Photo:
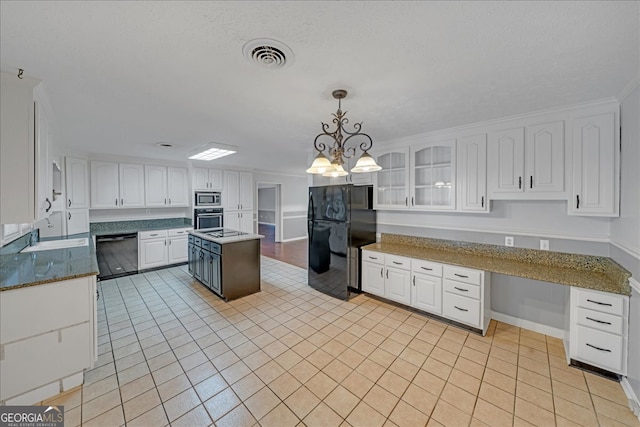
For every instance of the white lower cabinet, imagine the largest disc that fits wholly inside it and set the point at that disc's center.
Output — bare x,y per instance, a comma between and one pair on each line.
77,221
457,293
158,248
598,331
48,337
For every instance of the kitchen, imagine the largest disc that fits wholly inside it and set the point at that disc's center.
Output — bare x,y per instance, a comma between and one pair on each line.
137,122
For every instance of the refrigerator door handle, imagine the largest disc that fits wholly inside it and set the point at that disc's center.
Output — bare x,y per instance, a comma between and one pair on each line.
311,208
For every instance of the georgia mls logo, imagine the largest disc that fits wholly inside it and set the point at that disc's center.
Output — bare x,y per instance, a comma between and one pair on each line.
31,416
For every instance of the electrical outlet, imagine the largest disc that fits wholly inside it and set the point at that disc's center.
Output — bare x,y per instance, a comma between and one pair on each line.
508,241
544,245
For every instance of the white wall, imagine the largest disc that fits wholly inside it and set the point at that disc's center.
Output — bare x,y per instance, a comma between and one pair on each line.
625,230
267,199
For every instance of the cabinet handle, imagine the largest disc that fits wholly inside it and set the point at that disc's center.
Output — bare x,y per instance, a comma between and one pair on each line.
412,204
598,321
387,274
397,263
461,289
381,272
599,303
464,309
121,202
153,235
461,275
372,257
69,216
69,203
599,349
116,202
482,202
48,201
406,201
531,181
165,201
577,201
169,200
426,268
414,280
519,182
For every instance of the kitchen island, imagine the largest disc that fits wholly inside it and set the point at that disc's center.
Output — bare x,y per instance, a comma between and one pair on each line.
225,261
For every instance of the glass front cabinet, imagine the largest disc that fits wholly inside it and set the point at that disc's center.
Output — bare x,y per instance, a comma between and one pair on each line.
433,176
391,187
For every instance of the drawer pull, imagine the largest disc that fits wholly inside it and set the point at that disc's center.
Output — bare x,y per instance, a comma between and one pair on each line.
372,257
599,303
398,263
153,235
381,272
461,275
426,268
598,348
598,321
464,309
461,289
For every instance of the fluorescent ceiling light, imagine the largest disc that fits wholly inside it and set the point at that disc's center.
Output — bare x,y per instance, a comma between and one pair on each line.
211,152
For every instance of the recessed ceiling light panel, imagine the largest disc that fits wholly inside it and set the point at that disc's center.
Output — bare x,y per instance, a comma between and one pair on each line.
268,53
212,151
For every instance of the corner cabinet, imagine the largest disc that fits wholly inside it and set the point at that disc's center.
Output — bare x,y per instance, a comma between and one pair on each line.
596,161
391,183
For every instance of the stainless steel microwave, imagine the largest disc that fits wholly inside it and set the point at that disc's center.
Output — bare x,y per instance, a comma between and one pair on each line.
208,198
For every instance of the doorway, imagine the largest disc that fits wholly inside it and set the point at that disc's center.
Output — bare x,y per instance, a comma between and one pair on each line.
269,212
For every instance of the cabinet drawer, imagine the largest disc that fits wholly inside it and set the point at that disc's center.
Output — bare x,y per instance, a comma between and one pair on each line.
191,238
461,274
179,231
197,242
601,301
461,309
154,234
397,262
459,288
426,267
599,348
206,244
375,257
603,321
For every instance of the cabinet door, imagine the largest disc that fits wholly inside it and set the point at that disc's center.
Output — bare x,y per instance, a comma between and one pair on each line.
506,161
215,179
246,221
155,186
426,293
545,158
206,268
595,162
373,278
43,178
246,190
177,187
232,220
200,179
215,279
105,190
391,188
153,253
364,178
77,221
397,285
131,185
178,249
77,183
433,176
472,174
231,193
192,258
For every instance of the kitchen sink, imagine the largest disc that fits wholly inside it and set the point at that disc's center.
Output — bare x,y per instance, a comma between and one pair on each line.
57,244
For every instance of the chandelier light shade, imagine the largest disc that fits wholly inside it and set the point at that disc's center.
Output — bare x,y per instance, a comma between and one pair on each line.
330,158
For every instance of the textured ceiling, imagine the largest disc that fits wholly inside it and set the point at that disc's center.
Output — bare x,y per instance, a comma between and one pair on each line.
122,76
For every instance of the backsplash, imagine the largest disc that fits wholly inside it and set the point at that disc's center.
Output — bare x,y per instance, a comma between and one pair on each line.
18,244
137,225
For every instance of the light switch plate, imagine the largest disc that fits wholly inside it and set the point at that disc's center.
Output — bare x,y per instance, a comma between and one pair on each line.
508,241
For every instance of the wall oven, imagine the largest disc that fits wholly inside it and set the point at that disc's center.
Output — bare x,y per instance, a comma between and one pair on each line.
207,218
208,198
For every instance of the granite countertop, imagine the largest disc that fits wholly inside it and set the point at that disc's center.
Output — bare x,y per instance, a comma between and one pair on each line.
225,240
19,270
122,227
585,271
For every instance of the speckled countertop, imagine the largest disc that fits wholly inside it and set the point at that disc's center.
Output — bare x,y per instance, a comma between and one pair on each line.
585,271
225,240
19,270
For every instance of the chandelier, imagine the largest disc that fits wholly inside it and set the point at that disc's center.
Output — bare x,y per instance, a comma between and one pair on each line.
331,163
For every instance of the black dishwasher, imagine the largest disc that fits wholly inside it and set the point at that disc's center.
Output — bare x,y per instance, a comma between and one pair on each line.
117,255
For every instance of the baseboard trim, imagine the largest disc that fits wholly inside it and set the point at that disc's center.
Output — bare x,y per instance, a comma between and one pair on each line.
528,324
634,402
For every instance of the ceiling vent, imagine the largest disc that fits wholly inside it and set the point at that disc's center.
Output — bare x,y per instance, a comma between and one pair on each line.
268,53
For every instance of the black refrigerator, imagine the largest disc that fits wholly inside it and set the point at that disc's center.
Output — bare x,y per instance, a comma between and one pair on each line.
340,220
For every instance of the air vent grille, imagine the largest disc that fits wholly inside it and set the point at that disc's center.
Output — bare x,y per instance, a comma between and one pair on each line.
268,53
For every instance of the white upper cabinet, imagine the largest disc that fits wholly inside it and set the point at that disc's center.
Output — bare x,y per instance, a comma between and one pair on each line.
391,190
238,191
177,186
528,162
117,185
246,190
43,170
155,186
105,189
433,172
596,159
206,179
77,183
472,173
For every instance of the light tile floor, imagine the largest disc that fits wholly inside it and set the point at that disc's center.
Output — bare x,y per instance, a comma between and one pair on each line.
171,352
